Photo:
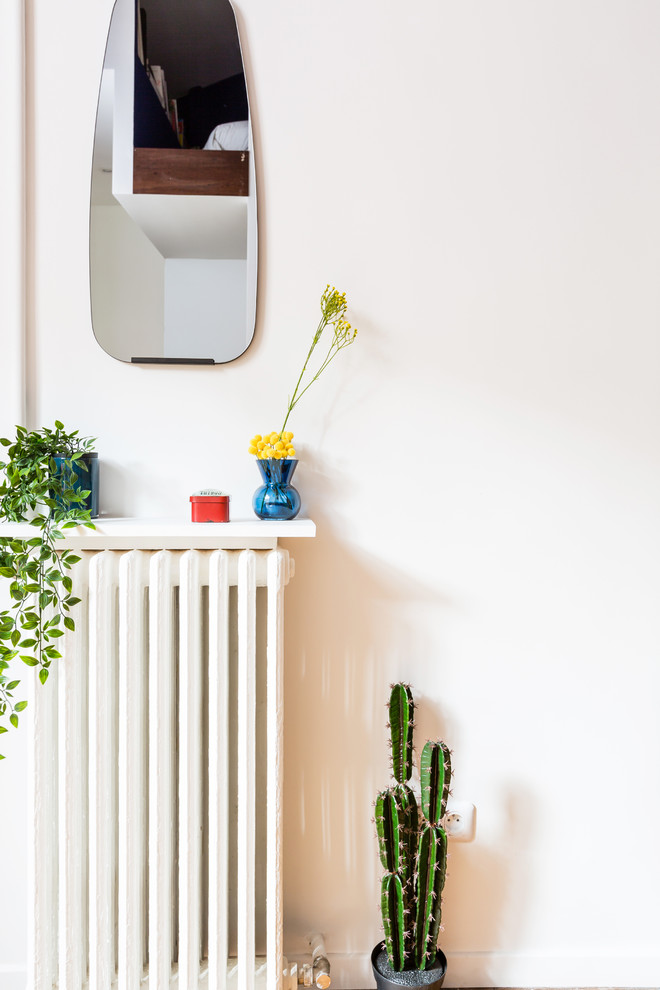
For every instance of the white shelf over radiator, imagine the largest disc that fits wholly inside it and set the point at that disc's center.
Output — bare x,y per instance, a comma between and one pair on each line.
175,534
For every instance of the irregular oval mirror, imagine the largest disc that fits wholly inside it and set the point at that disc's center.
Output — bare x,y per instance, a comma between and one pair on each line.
173,216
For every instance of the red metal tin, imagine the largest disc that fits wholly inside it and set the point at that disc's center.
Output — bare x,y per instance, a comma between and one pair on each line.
210,508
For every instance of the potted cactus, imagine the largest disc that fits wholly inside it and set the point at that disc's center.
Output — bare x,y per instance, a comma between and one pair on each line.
413,852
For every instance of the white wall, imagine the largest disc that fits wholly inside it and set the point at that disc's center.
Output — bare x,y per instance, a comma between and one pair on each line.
482,179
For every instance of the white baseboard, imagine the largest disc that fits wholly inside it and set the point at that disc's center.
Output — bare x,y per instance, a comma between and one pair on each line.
491,969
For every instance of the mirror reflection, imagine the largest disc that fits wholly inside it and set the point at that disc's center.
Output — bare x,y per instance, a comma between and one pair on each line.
173,232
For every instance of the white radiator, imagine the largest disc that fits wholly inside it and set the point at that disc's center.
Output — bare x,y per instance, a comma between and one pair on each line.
156,777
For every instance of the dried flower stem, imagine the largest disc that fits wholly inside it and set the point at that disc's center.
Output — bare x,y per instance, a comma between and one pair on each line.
333,308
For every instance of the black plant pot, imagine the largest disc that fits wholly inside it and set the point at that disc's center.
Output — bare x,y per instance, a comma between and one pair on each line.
389,979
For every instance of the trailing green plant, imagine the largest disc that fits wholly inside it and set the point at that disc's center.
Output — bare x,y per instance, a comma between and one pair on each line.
47,495
412,848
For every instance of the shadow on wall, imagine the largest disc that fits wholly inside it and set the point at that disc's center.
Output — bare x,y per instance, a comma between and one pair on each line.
347,639
343,648
488,890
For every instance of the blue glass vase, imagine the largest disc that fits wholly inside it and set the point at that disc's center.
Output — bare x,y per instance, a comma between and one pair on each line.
276,498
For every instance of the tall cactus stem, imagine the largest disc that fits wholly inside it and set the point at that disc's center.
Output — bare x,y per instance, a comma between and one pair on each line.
435,776
394,921
402,708
390,827
432,859
409,817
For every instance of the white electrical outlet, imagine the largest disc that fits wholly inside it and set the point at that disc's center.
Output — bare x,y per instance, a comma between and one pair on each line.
460,821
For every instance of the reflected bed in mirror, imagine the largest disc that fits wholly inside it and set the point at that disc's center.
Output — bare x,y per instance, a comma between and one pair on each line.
173,215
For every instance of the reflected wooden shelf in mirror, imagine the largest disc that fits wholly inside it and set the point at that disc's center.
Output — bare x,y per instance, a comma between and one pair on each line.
190,172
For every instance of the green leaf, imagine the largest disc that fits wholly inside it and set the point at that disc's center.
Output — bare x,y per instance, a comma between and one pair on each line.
30,661
43,675
21,706
69,623
14,720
